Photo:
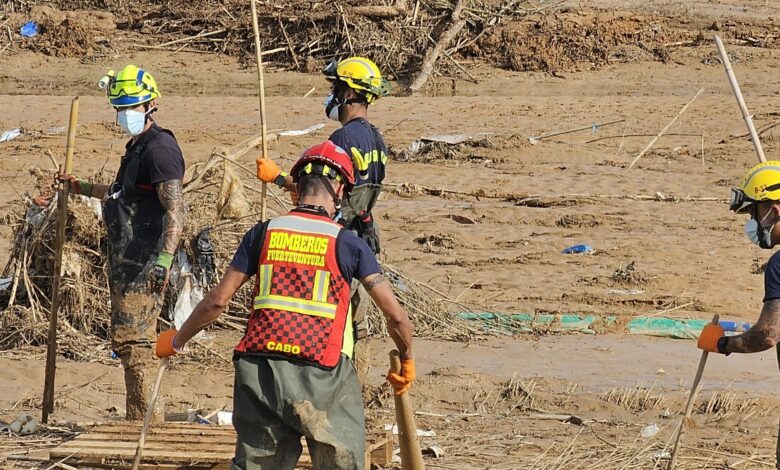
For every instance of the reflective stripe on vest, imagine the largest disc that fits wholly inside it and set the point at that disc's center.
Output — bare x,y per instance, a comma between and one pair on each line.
301,301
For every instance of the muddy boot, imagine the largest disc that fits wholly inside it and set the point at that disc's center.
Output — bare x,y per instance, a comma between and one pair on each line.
140,372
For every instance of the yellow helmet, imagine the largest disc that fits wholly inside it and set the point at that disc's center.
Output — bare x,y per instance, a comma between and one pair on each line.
130,87
761,183
360,74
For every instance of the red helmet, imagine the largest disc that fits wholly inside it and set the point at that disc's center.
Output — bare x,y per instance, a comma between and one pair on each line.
327,159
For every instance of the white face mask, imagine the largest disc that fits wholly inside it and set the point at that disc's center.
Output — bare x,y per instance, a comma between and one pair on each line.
332,107
757,234
132,122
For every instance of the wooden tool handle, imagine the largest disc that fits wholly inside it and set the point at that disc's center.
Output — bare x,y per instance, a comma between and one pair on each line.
139,450
689,403
411,457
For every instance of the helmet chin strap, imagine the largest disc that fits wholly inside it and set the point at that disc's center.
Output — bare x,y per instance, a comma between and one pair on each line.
763,241
332,192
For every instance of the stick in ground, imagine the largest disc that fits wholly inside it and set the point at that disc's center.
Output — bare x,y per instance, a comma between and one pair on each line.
689,404
62,200
139,450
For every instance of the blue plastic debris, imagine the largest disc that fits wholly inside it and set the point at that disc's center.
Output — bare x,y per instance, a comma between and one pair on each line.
29,29
578,249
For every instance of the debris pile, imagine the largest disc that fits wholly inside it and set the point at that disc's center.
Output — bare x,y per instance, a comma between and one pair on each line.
220,213
310,33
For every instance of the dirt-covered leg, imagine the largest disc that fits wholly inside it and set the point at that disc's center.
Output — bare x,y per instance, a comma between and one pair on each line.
134,322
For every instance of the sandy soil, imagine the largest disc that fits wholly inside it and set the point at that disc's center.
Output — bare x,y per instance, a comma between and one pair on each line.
691,256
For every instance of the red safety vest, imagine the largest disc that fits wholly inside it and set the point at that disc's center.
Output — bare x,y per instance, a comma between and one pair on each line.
301,299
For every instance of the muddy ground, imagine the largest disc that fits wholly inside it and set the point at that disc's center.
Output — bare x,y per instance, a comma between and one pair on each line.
688,257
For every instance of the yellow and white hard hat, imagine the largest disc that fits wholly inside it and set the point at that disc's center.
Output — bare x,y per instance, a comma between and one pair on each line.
360,74
130,87
761,183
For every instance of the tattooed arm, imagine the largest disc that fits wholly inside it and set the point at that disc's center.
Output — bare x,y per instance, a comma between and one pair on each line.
763,335
172,199
398,324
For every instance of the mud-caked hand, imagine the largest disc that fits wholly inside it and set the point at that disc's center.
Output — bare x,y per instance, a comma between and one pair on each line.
166,344
158,276
713,339
403,382
267,170
77,186
369,234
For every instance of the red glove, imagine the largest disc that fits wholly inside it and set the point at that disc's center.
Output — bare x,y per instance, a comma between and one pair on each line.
709,338
165,344
403,382
267,170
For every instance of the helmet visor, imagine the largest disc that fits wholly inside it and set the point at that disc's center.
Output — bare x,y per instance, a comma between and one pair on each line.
739,202
330,69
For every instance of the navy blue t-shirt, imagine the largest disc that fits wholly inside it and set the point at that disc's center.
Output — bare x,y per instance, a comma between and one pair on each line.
365,145
355,258
772,278
162,160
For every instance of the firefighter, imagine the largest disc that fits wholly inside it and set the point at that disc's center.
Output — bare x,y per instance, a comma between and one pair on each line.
294,375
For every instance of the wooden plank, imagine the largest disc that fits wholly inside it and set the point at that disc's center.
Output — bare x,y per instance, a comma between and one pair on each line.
192,429
169,446
127,455
231,440
74,447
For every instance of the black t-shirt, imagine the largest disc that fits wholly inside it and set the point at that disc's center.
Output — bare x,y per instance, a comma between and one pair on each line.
162,159
355,258
365,145
772,278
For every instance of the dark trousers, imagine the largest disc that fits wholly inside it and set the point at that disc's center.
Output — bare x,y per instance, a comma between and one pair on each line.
276,402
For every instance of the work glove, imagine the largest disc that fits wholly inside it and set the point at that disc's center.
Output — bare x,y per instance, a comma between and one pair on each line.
158,276
77,186
403,382
713,339
166,344
369,234
267,170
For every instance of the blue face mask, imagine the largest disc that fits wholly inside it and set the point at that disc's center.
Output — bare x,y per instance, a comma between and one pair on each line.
758,234
332,105
132,122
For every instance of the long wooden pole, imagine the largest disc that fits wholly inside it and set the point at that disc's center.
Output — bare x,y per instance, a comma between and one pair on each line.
724,58
689,403
62,218
261,86
411,457
139,449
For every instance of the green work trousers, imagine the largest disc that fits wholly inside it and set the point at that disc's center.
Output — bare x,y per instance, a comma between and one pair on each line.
276,401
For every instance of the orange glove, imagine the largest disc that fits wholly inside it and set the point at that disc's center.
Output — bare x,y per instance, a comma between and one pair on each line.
712,339
403,382
267,170
165,344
